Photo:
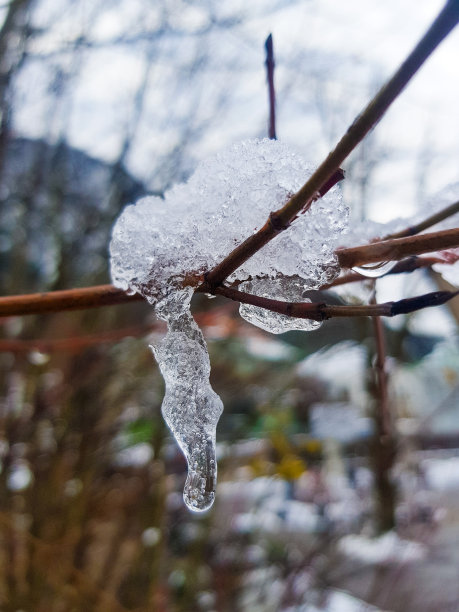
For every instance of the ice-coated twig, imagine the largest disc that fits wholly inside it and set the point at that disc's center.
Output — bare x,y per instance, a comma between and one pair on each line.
279,220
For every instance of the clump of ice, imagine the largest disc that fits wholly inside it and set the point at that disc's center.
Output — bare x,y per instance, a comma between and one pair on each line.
157,242
161,248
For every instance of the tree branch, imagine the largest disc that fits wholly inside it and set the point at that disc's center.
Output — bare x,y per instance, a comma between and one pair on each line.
69,299
323,311
404,266
441,215
280,220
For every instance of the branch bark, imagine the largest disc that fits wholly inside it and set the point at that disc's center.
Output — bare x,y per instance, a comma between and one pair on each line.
322,311
69,299
441,215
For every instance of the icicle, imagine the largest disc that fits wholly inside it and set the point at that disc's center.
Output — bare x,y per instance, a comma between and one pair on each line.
191,408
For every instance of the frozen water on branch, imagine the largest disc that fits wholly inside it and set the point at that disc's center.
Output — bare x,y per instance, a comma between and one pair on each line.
157,242
191,408
286,289
162,247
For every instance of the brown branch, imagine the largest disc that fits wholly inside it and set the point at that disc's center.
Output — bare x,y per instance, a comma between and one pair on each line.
280,220
271,91
69,299
379,368
323,311
397,248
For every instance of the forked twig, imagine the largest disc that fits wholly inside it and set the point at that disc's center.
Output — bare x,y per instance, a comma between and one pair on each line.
327,174
280,219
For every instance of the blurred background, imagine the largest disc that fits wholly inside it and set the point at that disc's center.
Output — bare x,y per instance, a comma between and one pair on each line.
104,101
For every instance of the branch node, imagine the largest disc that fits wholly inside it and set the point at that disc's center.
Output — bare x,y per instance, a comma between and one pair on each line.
277,223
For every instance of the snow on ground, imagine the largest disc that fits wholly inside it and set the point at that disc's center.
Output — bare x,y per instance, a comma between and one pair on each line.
386,549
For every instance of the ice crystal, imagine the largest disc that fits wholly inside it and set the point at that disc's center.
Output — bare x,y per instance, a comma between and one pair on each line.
161,247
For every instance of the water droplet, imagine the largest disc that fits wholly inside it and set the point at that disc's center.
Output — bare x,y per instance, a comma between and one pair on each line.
375,270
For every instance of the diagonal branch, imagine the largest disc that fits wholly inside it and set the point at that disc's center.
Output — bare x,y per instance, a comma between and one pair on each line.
441,215
280,220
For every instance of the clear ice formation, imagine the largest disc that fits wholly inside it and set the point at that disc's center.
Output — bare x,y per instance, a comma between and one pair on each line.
159,246
157,242
285,289
191,408
375,270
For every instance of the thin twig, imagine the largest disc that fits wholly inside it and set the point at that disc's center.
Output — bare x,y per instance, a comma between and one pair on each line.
271,91
441,215
73,344
280,220
379,368
322,311
68,299
108,295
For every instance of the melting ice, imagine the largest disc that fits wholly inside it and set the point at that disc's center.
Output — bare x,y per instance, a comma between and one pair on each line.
160,245
191,408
